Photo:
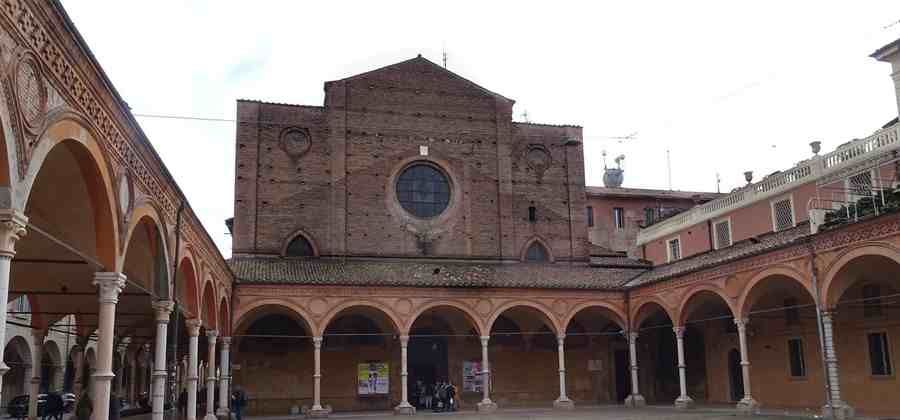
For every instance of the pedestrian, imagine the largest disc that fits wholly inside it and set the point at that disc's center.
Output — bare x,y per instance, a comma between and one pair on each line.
238,401
451,396
182,402
429,395
115,406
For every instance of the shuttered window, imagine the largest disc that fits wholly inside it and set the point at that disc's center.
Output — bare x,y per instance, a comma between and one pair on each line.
674,249
798,361
782,214
723,234
879,354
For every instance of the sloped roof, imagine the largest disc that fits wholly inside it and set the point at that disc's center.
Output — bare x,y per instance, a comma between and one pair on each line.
738,250
650,193
424,61
335,272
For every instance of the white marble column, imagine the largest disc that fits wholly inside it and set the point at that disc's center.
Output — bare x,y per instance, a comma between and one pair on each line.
12,228
746,404
837,408
486,405
635,399
211,374
683,400
404,407
163,309
110,285
563,401
224,372
193,329
37,350
317,410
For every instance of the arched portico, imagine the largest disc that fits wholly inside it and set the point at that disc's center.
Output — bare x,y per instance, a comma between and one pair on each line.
596,353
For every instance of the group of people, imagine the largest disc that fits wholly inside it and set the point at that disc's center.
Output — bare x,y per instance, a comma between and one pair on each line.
438,397
238,401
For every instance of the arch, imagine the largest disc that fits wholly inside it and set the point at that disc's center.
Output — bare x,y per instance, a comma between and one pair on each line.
337,310
265,307
619,315
20,344
752,291
645,309
224,320
145,251
297,235
833,287
537,240
51,349
9,162
684,311
470,315
209,312
187,291
546,312
73,132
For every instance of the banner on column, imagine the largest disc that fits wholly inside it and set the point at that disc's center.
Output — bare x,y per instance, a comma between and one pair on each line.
472,381
373,378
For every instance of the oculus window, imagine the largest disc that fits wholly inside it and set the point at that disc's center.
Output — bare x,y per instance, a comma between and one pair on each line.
423,190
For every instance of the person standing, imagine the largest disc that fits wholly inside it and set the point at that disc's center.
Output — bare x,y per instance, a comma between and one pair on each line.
238,401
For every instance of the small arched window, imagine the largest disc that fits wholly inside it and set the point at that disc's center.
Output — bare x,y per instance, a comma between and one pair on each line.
299,247
537,253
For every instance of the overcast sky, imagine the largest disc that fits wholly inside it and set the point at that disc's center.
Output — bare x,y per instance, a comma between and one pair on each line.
724,86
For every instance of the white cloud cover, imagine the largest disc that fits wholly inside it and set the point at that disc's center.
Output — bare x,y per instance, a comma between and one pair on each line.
725,86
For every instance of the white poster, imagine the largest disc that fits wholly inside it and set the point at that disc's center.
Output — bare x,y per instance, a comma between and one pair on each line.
472,378
373,378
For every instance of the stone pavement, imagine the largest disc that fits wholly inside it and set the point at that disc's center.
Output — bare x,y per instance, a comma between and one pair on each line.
581,413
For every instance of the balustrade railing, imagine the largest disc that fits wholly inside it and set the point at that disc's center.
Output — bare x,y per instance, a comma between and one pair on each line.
806,171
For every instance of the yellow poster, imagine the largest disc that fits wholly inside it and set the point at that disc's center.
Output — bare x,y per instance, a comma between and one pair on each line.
372,378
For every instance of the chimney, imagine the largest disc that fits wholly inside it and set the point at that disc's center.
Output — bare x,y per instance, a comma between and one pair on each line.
890,53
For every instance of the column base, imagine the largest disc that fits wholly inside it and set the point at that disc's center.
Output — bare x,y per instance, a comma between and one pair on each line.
404,409
748,405
838,410
317,412
486,406
635,400
223,412
563,404
683,403
210,417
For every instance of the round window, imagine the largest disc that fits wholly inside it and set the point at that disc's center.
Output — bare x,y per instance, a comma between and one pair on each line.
423,190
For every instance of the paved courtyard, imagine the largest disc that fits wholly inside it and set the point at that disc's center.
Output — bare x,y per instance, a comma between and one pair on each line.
593,413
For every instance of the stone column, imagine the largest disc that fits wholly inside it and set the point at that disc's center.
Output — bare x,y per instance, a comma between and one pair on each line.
37,346
683,400
404,407
224,371
109,285
563,401
317,411
78,362
838,408
193,330
635,399
132,379
486,405
211,374
163,309
746,404
120,375
12,228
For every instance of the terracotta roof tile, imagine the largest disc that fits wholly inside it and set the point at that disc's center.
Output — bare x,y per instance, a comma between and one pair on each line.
325,271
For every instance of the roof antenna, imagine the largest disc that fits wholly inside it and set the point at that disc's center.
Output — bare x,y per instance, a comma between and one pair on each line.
669,167
444,52
525,116
718,183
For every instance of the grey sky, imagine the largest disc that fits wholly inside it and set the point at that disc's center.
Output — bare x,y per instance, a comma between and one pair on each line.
716,83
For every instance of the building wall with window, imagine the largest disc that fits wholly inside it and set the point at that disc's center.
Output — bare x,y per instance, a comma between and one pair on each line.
333,174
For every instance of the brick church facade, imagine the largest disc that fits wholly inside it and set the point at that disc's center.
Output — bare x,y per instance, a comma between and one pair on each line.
411,228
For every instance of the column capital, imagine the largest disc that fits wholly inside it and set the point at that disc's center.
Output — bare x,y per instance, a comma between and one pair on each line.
226,342
404,340
39,334
829,313
163,308
12,229
632,335
193,327
484,340
317,342
679,332
561,339
211,335
110,285
741,323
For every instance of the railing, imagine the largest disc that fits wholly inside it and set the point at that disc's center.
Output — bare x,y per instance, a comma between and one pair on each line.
879,142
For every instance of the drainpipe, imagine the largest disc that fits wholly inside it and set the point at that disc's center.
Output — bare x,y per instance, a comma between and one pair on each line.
819,327
709,234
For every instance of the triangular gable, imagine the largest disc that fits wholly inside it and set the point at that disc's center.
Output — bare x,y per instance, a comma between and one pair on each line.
419,61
